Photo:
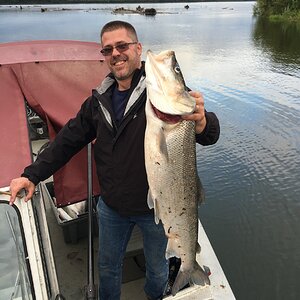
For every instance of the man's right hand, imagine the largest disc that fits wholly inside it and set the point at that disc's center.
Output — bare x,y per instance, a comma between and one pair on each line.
17,185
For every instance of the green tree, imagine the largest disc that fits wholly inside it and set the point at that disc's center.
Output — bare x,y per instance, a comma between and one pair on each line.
276,7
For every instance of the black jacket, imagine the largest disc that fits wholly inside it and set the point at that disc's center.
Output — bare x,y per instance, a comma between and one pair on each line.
119,151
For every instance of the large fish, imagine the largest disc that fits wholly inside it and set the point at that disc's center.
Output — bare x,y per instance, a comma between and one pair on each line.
170,157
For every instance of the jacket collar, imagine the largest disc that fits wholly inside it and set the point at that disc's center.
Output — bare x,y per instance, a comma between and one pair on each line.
110,80
104,91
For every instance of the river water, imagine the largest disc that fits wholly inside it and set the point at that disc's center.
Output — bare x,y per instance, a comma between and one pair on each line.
248,71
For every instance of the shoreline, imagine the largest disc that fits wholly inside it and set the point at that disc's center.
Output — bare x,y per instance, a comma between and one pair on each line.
48,2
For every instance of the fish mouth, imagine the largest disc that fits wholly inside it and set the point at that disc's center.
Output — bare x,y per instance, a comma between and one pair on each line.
167,118
169,96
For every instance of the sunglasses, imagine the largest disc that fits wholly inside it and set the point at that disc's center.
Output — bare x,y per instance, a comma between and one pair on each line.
108,50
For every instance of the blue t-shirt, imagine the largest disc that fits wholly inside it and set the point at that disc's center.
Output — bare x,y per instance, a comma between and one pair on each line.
119,101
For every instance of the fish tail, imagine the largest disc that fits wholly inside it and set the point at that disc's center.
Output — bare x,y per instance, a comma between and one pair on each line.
197,276
182,279
200,276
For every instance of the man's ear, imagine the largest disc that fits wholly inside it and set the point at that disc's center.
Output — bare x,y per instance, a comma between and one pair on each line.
140,48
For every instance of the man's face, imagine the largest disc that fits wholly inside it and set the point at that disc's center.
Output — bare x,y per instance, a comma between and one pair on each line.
122,64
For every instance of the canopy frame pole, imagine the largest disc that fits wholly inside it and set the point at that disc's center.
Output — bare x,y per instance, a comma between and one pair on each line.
91,288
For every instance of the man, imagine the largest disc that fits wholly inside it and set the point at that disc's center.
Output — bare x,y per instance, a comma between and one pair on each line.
114,115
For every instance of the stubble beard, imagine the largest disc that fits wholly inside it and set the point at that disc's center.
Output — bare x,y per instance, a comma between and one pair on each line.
129,69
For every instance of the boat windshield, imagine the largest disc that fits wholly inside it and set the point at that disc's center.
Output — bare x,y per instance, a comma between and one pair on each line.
15,280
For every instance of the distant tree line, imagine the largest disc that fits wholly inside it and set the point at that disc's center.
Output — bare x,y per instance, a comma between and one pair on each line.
276,7
43,2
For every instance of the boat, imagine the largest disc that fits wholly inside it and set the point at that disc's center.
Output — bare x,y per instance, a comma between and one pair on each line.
43,255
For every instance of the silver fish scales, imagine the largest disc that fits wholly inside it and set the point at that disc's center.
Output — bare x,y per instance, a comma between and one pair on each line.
170,157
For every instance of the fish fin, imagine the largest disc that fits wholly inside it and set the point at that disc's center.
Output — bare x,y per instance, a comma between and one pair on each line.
197,276
198,248
201,194
172,249
150,201
152,204
156,214
163,145
182,279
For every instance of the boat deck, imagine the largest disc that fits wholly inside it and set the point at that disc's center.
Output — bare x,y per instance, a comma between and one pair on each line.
71,258
71,263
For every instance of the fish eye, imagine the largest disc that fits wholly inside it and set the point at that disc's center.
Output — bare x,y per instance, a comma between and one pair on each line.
177,69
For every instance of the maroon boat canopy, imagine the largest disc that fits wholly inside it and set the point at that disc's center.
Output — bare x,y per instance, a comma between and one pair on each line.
55,77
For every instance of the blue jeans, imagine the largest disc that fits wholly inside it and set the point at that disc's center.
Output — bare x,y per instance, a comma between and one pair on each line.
114,234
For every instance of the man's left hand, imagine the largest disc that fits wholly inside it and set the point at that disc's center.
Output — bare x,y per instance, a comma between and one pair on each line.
199,114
